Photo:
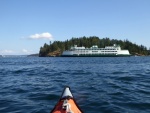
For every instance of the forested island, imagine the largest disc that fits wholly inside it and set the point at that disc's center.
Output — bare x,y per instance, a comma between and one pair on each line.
57,47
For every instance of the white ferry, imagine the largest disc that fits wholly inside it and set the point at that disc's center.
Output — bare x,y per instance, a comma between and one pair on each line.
94,51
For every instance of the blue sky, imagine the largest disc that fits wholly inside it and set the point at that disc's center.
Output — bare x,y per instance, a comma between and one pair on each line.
25,25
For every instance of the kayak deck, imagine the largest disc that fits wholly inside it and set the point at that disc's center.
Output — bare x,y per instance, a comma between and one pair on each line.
67,103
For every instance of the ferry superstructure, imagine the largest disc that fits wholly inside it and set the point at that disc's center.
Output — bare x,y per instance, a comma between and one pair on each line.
94,51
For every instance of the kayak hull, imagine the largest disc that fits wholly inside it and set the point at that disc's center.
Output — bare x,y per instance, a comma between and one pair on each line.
66,103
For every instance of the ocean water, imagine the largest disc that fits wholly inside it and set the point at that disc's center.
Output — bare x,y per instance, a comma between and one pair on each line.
99,85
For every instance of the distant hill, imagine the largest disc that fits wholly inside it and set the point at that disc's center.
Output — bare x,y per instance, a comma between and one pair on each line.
33,55
57,47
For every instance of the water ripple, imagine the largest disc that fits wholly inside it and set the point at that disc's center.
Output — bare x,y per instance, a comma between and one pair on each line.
103,85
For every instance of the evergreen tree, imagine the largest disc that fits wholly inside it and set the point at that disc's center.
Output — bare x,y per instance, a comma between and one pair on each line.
90,41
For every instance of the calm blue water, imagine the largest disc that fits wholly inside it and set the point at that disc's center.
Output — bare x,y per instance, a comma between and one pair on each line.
100,85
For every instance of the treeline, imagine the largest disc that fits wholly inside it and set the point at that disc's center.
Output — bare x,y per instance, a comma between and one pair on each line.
57,47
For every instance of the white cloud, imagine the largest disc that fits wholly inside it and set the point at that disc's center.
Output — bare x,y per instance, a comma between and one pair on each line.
7,51
45,35
19,52
25,51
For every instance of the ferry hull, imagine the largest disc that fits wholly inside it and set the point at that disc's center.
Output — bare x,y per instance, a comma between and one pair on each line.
106,55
